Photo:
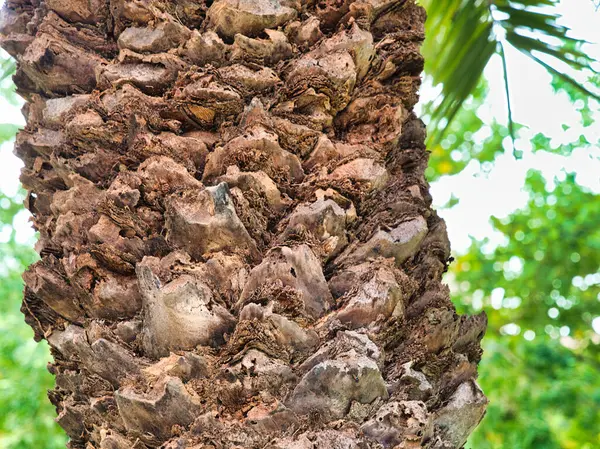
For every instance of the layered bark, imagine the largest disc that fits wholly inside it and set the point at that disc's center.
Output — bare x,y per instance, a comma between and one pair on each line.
237,244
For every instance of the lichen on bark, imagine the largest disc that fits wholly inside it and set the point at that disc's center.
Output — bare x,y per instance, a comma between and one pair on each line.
237,243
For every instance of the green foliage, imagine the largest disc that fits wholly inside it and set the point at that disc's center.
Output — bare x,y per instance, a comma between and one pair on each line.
465,34
581,101
26,416
542,396
7,88
541,291
545,276
467,139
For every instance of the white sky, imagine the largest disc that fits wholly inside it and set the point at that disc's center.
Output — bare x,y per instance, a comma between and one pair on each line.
481,196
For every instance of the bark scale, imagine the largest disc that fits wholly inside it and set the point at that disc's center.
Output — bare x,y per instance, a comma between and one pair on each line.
237,244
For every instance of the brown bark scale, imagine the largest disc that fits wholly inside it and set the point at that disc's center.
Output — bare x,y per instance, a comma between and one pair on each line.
237,244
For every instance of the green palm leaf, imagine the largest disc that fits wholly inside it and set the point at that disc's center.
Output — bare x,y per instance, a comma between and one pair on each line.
467,33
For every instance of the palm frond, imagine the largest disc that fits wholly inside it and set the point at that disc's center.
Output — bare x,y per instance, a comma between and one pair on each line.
465,34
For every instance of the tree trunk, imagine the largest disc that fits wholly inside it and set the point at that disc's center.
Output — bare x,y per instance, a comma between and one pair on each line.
236,237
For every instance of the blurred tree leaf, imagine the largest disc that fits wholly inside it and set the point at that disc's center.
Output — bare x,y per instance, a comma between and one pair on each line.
584,104
542,395
7,88
7,131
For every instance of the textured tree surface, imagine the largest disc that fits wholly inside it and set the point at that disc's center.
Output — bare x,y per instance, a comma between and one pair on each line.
237,244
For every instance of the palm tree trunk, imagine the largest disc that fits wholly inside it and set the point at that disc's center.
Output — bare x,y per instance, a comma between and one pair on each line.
236,236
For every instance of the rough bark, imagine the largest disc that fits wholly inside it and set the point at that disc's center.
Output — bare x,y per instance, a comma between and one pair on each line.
237,244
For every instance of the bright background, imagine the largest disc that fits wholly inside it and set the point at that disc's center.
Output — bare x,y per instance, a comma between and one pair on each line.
525,235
